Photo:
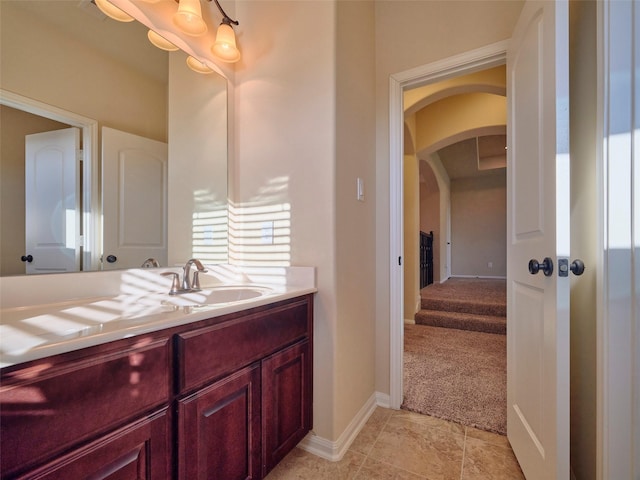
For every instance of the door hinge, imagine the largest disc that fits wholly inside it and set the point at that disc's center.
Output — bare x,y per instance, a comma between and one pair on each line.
399,260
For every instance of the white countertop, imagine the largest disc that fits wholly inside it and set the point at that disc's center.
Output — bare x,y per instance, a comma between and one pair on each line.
54,319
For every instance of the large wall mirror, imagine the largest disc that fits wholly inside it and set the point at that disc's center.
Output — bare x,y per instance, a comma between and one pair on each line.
151,178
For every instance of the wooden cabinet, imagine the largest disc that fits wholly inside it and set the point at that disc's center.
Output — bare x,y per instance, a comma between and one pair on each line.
286,402
137,451
219,429
224,398
51,406
244,421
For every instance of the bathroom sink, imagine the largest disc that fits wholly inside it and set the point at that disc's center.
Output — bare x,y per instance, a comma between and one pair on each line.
215,296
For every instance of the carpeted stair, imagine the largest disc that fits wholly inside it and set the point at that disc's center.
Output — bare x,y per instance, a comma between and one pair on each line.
465,304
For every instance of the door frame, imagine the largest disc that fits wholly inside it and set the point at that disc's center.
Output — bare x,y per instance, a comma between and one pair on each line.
479,59
618,319
91,192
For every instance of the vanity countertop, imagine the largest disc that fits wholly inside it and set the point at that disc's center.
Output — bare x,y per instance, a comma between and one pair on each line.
54,323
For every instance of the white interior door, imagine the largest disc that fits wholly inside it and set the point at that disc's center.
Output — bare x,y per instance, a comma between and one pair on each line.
538,227
52,214
134,196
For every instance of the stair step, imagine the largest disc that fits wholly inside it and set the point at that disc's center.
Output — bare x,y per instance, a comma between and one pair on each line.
464,306
462,321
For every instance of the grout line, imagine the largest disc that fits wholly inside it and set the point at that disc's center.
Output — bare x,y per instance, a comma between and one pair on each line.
464,452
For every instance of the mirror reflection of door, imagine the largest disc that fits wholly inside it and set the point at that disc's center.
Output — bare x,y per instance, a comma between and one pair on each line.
134,196
52,187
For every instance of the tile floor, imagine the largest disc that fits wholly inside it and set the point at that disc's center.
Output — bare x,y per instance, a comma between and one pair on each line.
396,444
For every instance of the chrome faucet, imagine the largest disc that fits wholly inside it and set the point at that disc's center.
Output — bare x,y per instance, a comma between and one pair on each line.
188,284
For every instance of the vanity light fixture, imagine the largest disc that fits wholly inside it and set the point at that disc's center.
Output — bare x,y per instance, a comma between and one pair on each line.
197,66
225,45
161,42
111,11
188,18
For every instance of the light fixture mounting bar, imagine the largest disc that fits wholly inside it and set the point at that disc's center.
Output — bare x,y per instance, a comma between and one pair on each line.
226,18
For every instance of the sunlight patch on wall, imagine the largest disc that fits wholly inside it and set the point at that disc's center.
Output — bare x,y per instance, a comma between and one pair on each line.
260,230
260,235
209,229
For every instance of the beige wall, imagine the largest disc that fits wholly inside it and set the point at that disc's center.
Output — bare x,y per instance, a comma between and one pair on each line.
312,167
430,212
304,131
583,237
479,226
77,78
411,211
456,118
355,220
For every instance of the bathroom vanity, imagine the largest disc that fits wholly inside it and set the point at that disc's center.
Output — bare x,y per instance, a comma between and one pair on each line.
226,396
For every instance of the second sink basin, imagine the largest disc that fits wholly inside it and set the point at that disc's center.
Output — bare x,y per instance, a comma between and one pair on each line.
215,295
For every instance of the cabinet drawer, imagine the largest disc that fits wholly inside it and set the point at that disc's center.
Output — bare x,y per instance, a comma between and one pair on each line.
50,407
210,352
139,450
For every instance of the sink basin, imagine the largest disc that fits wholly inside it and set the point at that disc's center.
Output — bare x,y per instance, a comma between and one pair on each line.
215,296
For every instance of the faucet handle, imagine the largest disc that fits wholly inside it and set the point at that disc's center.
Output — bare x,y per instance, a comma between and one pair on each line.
175,282
195,284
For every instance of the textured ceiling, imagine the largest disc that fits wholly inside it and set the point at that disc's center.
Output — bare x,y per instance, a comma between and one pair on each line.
474,157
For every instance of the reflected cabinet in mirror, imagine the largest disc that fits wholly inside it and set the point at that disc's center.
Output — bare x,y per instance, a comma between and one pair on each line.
112,151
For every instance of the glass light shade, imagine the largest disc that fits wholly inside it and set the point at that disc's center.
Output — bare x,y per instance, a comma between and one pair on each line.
111,11
161,42
197,66
225,45
188,18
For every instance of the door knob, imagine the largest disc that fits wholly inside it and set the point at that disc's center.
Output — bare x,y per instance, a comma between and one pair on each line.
27,258
577,267
112,258
546,266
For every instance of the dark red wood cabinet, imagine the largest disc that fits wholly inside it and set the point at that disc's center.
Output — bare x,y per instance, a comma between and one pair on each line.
224,398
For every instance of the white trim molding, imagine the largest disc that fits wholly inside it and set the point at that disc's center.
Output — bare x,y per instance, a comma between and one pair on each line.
475,60
334,451
92,239
618,422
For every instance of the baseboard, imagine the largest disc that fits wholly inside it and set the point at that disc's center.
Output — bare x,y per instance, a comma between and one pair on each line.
334,451
409,321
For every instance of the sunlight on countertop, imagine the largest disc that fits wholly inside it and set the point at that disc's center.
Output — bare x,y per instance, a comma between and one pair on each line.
63,319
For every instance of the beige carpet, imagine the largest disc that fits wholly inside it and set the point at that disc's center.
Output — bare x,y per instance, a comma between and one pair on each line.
456,375
477,304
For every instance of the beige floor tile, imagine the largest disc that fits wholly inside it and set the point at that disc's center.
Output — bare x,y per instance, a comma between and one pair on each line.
374,470
422,449
370,432
301,465
428,421
403,445
493,438
487,461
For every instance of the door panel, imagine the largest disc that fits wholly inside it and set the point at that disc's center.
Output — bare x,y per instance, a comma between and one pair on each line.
538,227
134,178
52,216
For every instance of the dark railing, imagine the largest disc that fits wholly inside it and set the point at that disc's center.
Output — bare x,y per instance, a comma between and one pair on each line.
426,259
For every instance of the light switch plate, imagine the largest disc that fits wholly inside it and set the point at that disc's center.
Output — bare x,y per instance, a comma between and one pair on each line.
360,189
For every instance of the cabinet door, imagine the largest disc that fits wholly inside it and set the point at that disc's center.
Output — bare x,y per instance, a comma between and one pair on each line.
138,451
219,429
287,400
